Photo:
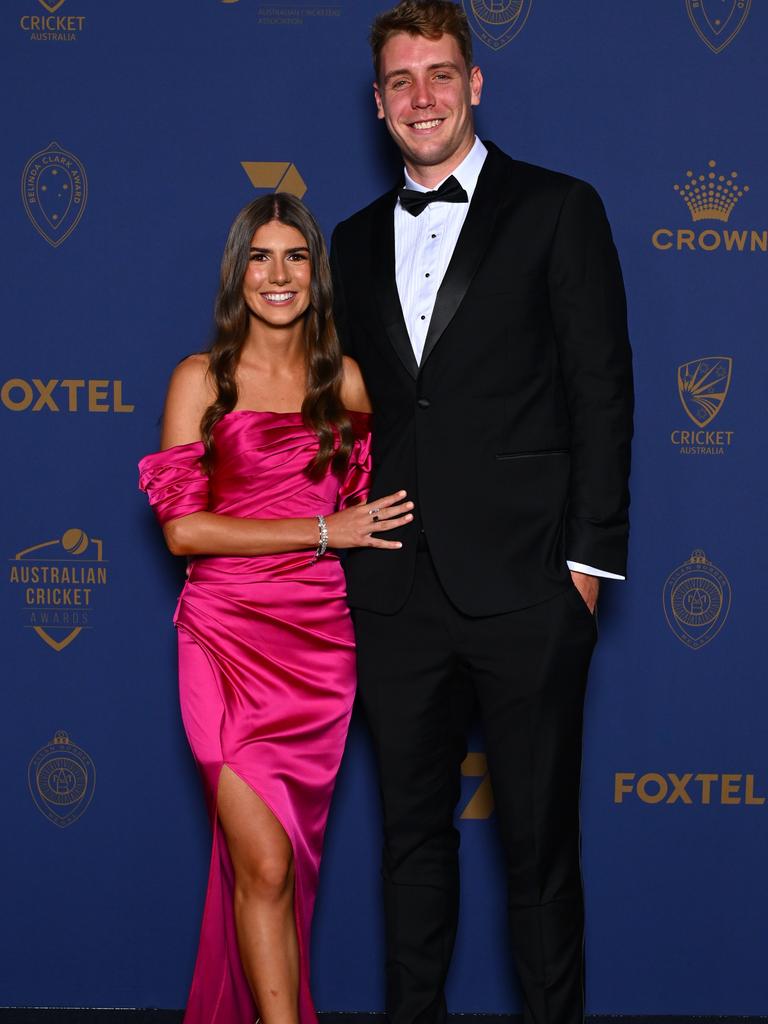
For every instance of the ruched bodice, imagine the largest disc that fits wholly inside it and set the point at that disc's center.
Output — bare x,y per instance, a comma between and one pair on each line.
266,664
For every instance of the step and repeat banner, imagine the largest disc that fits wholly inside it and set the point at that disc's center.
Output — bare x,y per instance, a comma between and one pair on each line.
133,132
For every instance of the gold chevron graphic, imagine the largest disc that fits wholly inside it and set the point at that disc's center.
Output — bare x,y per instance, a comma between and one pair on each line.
282,177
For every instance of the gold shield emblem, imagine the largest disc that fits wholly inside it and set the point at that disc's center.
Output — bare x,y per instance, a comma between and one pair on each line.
497,22
52,8
718,22
54,190
697,599
62,780
703,386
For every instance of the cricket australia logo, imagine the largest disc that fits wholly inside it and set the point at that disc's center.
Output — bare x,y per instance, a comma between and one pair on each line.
703,386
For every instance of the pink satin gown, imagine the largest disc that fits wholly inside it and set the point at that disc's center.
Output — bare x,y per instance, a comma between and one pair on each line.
266,666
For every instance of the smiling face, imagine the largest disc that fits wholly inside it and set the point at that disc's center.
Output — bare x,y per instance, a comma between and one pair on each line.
425,94
277,284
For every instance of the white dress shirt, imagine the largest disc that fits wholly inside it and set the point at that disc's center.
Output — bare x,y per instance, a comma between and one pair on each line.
424,246
423,249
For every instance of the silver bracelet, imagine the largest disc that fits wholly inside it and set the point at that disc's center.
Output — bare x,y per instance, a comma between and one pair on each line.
322,547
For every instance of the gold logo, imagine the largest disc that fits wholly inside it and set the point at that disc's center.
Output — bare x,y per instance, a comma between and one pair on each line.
697,599
711,196
687,788
52,27
58,582
480,805
62,780
54,189
497,22
718,22
69,395
280,177
702,386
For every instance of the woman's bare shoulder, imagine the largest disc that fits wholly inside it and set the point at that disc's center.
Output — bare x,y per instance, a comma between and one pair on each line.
193,373
190,392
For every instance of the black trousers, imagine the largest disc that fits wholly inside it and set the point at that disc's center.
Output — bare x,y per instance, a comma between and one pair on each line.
419,670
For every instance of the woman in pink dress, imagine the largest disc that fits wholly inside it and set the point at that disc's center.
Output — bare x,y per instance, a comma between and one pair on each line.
262,477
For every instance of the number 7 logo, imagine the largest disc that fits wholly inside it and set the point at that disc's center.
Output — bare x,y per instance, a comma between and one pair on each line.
480,805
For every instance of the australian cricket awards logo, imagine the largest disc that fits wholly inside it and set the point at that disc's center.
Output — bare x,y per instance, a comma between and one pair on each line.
62,780
697,599
275,175
711,195
703,385
718,22
59,582
54,190
497,22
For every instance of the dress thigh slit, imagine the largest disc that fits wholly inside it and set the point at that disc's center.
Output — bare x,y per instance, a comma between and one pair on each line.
220,993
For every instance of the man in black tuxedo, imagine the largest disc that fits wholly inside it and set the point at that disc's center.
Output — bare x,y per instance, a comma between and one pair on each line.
485,305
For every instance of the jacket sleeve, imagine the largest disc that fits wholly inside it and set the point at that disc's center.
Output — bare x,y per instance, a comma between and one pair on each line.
590,318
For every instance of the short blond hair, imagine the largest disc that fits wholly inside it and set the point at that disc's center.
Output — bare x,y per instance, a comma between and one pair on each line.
428,18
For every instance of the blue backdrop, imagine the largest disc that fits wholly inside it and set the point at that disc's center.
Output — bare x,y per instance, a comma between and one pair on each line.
133,132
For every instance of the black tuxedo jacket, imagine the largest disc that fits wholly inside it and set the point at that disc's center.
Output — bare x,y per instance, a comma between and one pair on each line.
513,435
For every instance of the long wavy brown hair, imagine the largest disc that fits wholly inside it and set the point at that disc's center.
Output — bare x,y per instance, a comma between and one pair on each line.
322,408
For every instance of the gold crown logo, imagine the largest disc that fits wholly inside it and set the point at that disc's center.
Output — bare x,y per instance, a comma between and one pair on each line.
711,196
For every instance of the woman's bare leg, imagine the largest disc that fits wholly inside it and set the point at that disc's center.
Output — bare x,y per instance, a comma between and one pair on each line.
262,858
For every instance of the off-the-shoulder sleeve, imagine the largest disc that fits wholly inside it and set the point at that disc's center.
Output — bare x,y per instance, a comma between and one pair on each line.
357,479
174,481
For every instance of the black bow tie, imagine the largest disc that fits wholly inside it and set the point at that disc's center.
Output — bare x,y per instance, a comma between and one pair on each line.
449,192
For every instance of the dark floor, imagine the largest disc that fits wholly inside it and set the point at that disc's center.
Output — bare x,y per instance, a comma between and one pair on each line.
61,1015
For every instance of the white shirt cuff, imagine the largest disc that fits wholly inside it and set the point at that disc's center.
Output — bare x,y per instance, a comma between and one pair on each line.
591,571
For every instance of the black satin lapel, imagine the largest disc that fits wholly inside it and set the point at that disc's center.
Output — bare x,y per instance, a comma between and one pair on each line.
385,286
472,244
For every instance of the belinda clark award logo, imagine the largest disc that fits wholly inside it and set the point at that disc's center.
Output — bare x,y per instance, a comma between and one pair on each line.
54,190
